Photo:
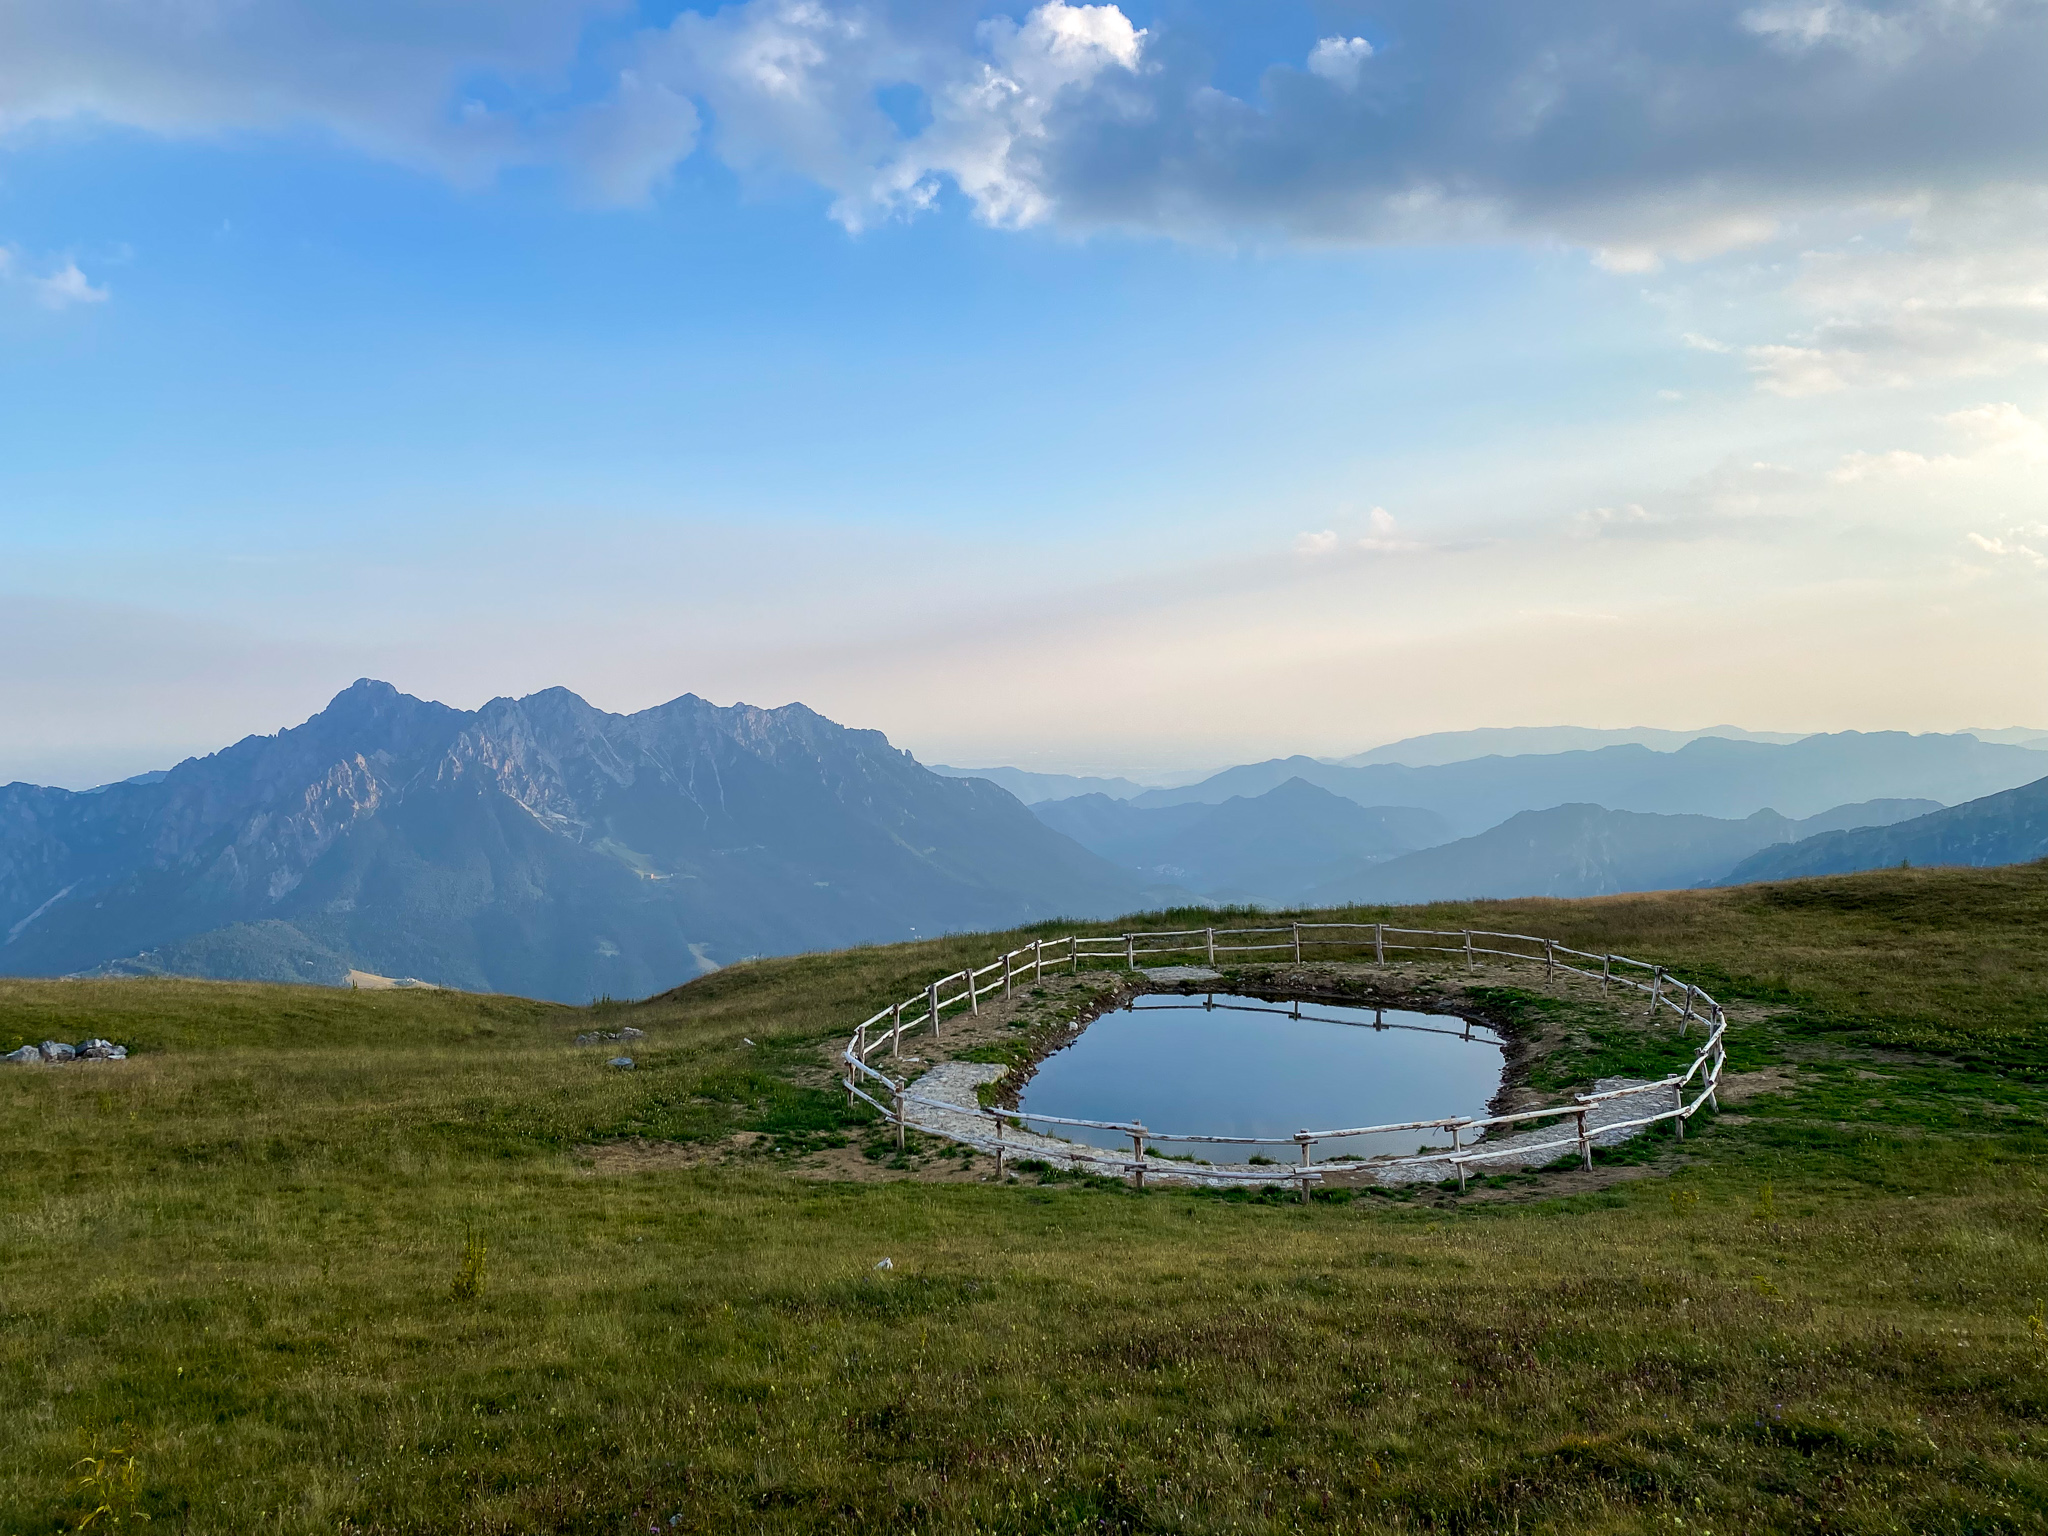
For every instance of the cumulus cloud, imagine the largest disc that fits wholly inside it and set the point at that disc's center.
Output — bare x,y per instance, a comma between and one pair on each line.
1643,132
796,86
1383,535
1339,60
65,287
58,288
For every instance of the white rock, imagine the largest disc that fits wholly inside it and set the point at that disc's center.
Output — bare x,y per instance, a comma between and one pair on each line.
625,1063
57,1050
25,1054
885,1264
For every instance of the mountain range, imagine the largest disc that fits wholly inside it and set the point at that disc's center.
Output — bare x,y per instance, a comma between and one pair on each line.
1588,850
1710,776
1266,849
1033,787
1297,845
2006,828
543,846
1441,747
535,845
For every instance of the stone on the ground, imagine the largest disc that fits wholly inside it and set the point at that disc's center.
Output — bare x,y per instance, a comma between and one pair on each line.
103,1050
623,1062
596,1035
25,1054
57,1050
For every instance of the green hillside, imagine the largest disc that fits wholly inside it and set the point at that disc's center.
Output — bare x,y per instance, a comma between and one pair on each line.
235,1258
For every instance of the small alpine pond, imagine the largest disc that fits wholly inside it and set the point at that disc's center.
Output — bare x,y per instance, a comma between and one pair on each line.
1227,1065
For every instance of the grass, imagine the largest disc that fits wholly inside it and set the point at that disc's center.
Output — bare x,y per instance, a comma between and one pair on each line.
231,1256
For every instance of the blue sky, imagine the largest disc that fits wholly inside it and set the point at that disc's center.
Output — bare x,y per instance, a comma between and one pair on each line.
1072,386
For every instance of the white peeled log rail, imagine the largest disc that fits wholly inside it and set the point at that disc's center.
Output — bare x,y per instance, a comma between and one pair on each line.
1689,1003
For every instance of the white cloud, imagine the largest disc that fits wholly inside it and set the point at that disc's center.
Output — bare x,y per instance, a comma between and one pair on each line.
1959,291
2002,439
1385,536
793,86
1644,133
2008,547
2002,429
59,288
65,287
1339,60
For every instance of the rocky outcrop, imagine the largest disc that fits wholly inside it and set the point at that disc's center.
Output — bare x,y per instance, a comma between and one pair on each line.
58,1050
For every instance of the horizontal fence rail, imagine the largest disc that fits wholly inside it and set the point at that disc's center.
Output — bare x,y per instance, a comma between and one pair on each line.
1071,953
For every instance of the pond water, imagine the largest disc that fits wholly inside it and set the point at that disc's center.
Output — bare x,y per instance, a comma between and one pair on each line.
1226,1065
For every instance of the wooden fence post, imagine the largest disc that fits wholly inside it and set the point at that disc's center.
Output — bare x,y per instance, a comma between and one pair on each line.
1678,1123
1037,961
1130,952
1211,932
896,1092
1606,970
1549,961
1303,1176
1585,1144
1470,963
1379,943
1656,985
1138,1152
973,998
999,1148
896,1033
932,1002
1296,930
1074,952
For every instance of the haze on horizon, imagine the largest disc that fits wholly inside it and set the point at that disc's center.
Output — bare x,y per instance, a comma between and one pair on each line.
1089,388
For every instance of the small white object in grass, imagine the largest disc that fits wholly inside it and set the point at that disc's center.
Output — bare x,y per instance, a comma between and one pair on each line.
745,1041
624,1063
885,1264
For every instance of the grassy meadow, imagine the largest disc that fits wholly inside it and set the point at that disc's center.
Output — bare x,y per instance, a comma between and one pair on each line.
340,1262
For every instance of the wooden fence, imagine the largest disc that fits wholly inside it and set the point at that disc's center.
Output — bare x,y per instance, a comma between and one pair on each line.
1073,953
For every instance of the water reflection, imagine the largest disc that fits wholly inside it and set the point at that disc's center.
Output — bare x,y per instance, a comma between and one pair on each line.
1227,1065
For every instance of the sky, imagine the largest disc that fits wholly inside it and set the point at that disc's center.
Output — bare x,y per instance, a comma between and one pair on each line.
1089,388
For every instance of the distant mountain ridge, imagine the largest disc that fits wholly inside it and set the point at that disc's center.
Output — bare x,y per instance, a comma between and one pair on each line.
2006,828
1707,777
1266,849
535,845
1033,787
1442,747
1586,850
